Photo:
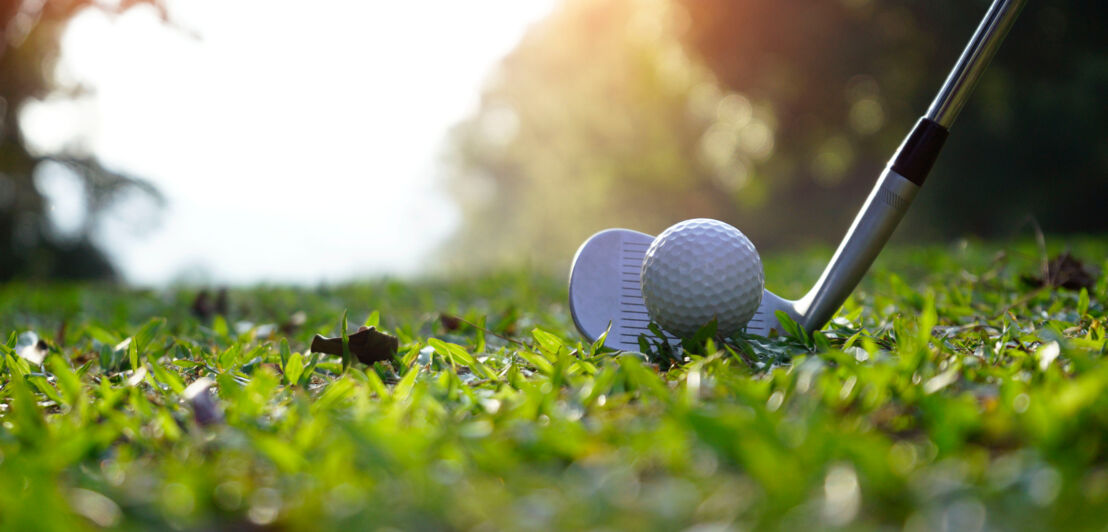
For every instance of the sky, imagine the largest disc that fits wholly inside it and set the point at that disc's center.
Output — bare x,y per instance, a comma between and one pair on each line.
294,142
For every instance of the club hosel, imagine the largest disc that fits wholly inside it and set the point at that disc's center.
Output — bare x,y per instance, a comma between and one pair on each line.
917,154
875,223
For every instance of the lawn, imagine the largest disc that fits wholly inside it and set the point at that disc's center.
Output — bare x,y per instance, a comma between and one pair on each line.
950,392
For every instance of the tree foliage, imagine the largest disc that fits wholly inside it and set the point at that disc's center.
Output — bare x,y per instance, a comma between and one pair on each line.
1031,142
29,247
599,116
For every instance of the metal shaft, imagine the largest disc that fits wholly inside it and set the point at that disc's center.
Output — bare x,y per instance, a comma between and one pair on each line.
975,58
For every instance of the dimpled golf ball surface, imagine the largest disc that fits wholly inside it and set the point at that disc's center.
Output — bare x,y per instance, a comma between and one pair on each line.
700,270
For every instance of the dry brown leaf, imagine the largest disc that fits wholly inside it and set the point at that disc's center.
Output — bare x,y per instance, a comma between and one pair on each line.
368,345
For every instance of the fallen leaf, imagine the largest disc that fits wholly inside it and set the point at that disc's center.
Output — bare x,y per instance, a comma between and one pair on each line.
204,308
450,323
368,344
222,307
1064,271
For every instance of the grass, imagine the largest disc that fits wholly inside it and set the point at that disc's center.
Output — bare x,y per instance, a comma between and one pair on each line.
948,394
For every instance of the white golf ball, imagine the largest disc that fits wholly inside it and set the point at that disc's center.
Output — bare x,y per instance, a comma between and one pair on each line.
699,270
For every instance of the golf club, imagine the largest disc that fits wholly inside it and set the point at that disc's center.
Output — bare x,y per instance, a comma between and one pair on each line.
604,285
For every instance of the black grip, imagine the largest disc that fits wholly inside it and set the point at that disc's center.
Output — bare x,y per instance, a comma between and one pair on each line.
917,154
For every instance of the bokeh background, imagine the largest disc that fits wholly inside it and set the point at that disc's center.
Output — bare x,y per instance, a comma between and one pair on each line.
277,141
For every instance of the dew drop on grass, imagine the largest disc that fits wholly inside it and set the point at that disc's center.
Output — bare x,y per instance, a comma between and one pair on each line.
1043,486
265,505
95,507
776,399
842,496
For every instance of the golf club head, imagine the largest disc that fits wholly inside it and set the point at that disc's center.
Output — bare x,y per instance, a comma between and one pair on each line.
605,291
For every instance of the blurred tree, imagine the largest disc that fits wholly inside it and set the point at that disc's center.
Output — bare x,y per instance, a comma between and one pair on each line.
776,117
29,246
850,77
599,117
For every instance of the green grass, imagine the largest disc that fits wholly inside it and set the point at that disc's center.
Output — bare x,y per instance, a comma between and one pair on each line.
948,395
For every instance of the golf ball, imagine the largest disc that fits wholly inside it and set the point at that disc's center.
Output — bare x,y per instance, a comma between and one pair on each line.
699,270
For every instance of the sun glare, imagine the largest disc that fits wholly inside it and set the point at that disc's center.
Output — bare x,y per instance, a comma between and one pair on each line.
292,143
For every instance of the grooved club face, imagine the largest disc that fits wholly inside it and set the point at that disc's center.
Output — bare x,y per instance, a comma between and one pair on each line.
604,288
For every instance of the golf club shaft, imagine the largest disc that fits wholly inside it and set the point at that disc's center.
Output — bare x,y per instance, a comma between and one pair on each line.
975,59
898,184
